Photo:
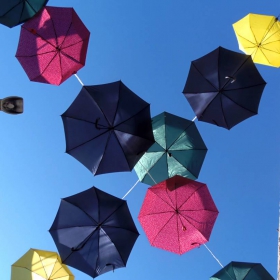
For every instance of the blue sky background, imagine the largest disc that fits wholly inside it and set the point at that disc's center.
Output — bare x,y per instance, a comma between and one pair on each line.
149,45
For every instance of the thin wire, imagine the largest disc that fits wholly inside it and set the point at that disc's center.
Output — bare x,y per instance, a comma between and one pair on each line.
213,256
139,181
79,79
131,189
194,118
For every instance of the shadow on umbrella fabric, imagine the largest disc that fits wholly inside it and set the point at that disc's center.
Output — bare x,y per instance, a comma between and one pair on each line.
53,45
94,232
108,128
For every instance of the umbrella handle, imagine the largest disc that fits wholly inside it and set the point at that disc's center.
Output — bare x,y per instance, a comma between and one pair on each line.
230,77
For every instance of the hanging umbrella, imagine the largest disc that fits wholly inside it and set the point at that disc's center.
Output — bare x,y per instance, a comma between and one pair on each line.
242,271
94,232
178,214
53,45
178,150
39,265
224,87
14,12
108,128
259,36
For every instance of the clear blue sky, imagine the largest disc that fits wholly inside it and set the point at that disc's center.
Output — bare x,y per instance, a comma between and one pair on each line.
149,45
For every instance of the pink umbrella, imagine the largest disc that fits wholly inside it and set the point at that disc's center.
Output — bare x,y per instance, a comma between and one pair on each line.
178,214
53,45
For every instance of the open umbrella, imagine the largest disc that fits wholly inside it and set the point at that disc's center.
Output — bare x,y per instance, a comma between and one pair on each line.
178,150
178,214
224,87
53,45
259,36
38,265
14,12
94,232
242,271
108,128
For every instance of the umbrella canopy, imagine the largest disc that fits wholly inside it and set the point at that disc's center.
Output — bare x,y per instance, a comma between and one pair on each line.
178,150
259,36
94,232
242,271
108,128
224,87
53,45
14,12
38,264
178,214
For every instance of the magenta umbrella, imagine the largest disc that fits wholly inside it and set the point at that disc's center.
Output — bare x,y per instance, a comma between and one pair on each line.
178,214
53,45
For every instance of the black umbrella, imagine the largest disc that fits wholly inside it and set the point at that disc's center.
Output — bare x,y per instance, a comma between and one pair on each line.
224,87
94,232
108,128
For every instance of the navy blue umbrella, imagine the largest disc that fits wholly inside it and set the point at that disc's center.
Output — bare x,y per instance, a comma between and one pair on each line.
15,12
108,128
94,232
224,87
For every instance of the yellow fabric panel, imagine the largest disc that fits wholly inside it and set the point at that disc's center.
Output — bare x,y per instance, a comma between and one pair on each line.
40,265
259,36
19,273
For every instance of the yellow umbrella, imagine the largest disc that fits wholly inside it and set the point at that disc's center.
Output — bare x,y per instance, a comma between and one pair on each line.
259,36
40,265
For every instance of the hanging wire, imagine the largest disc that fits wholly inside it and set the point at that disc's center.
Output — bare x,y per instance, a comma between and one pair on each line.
79,79
139,181
131,189
213,256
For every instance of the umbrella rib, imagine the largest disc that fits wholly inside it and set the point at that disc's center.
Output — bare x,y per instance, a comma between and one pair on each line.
40,36
182,164
53,273
239,104
158,232
275,20
204,77
10,10
186,199
180,135
116,126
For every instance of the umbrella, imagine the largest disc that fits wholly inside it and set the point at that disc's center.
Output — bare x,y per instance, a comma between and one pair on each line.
178,214
14,12
178,150
38,264
259,36
94,232
108,128
53,45
242,270
224,87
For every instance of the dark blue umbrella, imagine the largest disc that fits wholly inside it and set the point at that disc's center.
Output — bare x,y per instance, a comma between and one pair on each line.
94,232
224,87
14,12
108,128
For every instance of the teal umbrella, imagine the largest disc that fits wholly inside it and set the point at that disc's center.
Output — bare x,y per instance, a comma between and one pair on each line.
242,271
178,150
15,12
